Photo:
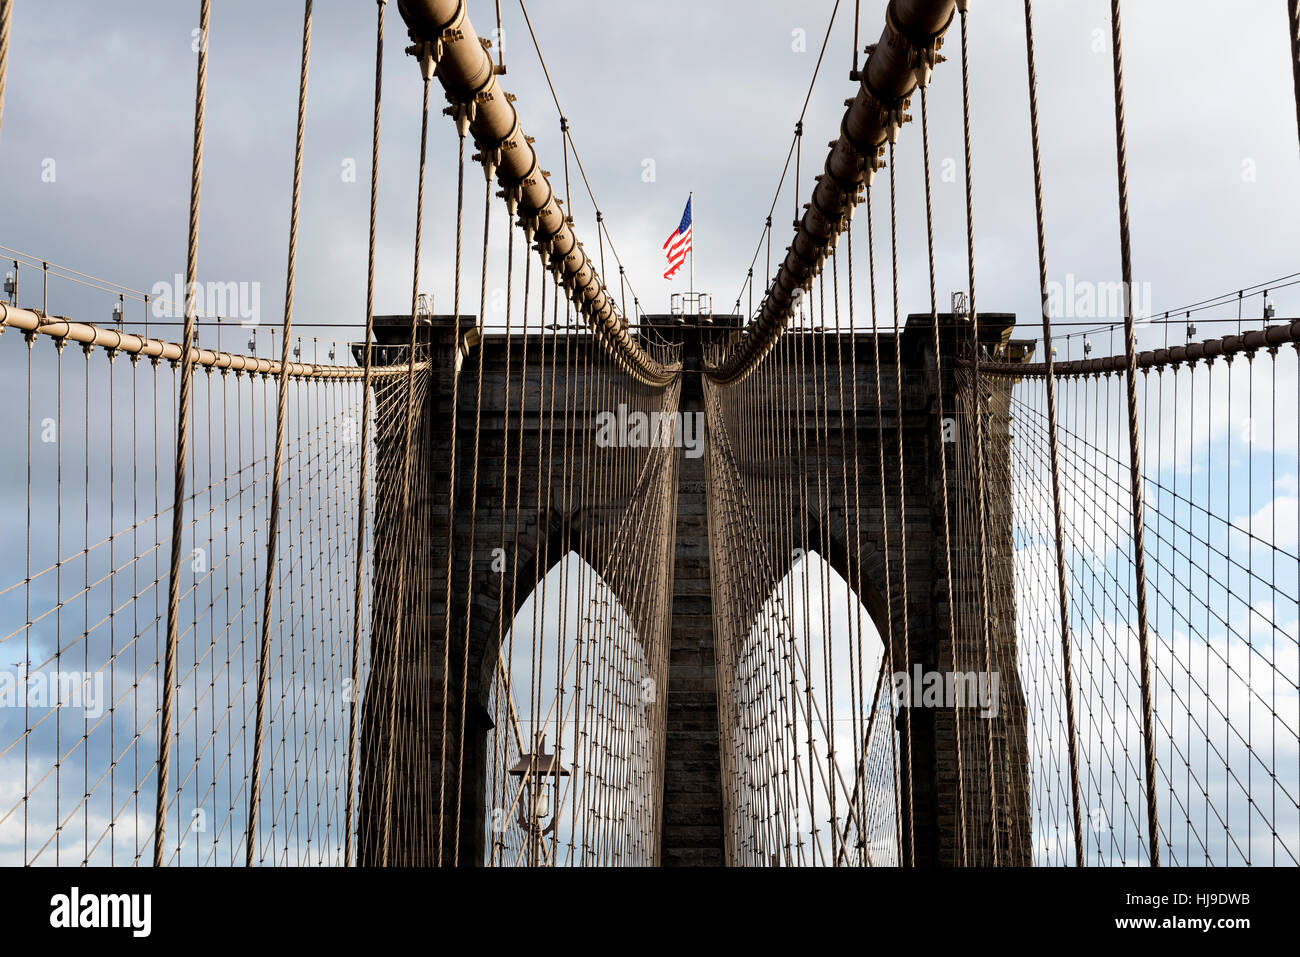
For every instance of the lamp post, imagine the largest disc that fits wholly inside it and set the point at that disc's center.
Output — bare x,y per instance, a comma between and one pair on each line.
539,774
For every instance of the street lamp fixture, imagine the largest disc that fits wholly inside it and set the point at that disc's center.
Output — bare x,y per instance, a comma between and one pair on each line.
539,775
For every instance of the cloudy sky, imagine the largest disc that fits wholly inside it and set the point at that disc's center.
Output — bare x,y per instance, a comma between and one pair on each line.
96,139
709,92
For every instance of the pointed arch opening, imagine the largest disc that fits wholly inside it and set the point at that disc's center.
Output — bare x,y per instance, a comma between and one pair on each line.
809,741
574,751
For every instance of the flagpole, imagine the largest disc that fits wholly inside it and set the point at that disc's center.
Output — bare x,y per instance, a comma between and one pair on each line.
690,201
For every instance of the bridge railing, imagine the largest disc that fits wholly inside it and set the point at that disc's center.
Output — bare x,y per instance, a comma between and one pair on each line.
90,437
1219,426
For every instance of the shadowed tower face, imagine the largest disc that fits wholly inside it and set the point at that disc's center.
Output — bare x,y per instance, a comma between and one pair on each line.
685,590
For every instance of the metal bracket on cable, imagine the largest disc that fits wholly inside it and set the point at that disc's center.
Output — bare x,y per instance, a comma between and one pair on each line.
924,53
512,195
893,117
872,165
491,160
463,111
528,223
555,263
428,52
464,114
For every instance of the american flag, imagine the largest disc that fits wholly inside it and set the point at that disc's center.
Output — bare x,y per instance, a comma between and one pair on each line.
679,243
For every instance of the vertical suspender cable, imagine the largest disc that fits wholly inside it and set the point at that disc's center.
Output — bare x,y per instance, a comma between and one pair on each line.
1135,461
1067,667
489,167
943,468
902,492
902,825
462,113
182,446
365,442
1293,20
281,415
977,394
404,523
6,18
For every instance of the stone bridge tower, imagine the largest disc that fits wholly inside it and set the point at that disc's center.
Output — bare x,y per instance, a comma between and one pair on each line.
691,827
